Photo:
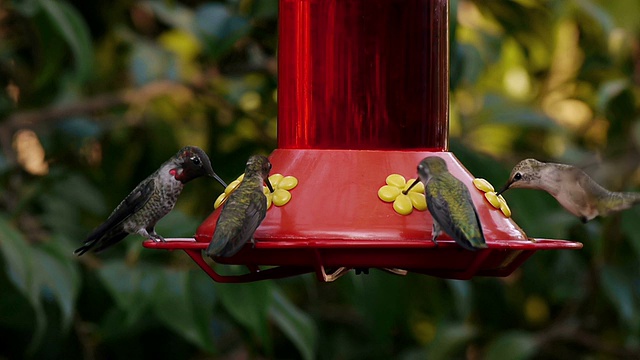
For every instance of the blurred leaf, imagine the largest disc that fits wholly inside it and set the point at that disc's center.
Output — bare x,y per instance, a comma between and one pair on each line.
150,63
184,302
450,341
617,287
177,224
295,324
264,8
74,30
499,110
210,19
77,191
219,28
463,296
59,276
80,127
26,7
132,288
18,258
248,304
630,228
54,55
467,65
598,14
610,90
515,345
173,13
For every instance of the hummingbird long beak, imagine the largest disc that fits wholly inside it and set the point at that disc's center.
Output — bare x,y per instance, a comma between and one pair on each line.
215,176
411,186
269,185
505,188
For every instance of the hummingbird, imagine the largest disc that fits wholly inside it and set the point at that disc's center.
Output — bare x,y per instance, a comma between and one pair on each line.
243,211
151,200
450,205
573,188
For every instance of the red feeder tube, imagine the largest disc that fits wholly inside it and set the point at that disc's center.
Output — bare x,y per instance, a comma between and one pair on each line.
363,93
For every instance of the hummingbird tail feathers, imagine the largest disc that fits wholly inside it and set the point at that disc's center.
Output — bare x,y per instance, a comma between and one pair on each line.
619,201
477,243
100,243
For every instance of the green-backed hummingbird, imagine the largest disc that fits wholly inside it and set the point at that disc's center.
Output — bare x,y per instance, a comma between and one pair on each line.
243,211
450,205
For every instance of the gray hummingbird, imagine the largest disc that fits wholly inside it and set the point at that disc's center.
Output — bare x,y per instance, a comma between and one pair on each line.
450,205
243,211
151,200
572,187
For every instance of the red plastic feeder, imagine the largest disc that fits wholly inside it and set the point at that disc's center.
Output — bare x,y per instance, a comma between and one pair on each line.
363,93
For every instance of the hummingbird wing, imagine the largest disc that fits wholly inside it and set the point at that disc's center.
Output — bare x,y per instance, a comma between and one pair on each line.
451,207
111,231
254,214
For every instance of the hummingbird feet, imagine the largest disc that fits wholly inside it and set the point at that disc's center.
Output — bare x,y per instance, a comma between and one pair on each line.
151,234
435,232
157,238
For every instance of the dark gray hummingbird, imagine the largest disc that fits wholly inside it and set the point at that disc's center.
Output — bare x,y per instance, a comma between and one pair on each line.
572,187
450,205
244,210
151,200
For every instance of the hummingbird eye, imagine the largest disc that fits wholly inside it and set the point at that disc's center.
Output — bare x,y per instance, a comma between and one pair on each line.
195,160
517,176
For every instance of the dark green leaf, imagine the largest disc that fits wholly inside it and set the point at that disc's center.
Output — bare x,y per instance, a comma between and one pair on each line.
499,110
619,289
248,304
132,287
177,224
463,296
18,257
185,305
450,341
630,228
58,275
295,324
78,192
72,27
597,13
514,345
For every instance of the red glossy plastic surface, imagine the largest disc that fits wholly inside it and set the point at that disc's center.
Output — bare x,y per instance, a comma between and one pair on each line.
363,93
335,219
363,74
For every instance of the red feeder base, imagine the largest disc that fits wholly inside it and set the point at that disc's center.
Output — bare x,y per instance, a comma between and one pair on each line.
350,227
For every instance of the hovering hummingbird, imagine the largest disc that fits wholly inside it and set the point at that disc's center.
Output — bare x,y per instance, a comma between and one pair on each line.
572,187
450,205
151,200
244,210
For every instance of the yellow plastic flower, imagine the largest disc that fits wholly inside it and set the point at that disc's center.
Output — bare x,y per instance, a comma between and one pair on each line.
403,203
280,196
497,201
281,186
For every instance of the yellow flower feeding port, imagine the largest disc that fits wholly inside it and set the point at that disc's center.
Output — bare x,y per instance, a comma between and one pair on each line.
363,94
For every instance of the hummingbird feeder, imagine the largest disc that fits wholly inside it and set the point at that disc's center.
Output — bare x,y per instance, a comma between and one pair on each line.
362,93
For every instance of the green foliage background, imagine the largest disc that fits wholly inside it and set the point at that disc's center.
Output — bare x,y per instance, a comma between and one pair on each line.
95,95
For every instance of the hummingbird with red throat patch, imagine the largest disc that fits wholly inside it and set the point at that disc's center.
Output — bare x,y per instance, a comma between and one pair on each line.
151,200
